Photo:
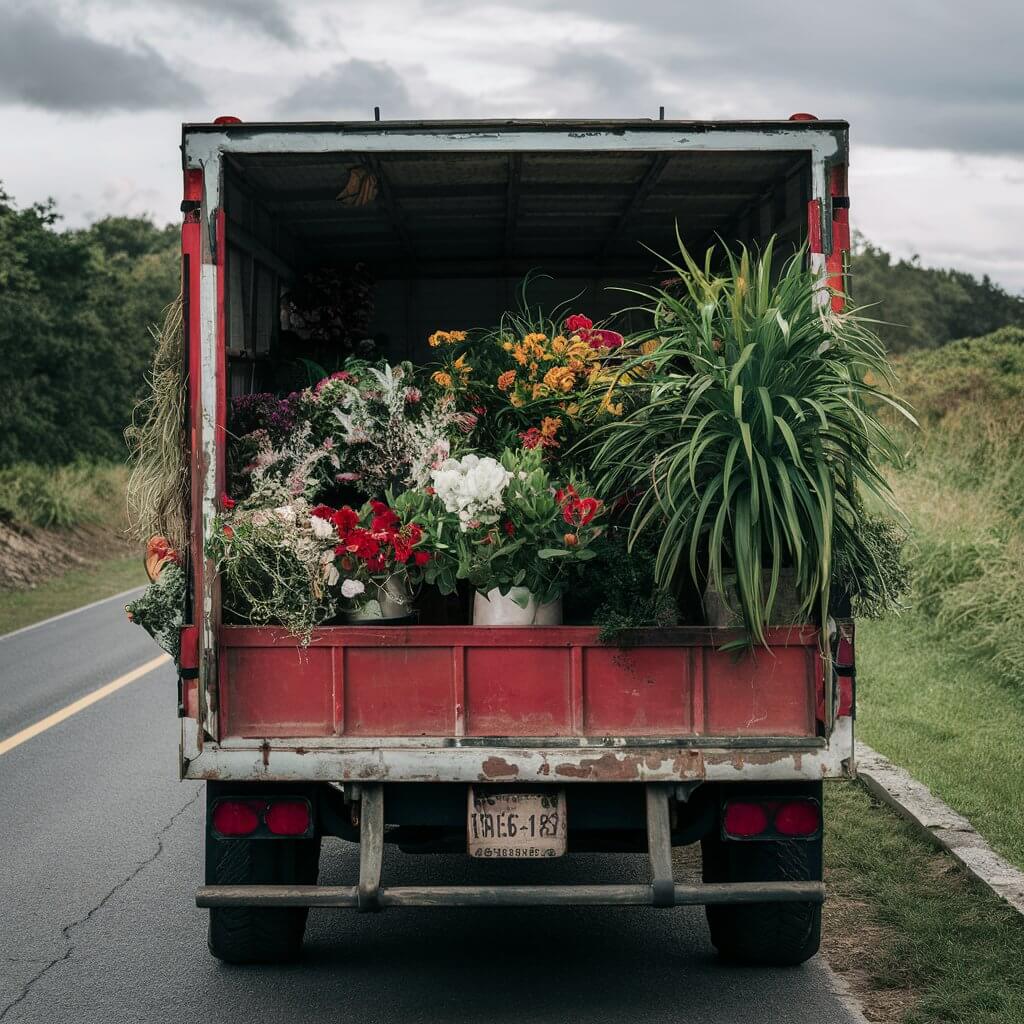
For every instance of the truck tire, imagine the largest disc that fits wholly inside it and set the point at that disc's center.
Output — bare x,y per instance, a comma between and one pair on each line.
246,935
765,934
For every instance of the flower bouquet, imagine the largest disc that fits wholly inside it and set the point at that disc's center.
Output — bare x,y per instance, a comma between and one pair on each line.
509,530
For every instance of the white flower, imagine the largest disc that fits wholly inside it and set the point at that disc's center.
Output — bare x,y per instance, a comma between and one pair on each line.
285,513
471,487
331,574
322,528
352,588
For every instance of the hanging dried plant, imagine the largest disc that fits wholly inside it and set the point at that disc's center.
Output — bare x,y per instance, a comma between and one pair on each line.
158,485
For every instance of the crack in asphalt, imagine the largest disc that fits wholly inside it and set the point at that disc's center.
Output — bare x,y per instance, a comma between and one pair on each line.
126,881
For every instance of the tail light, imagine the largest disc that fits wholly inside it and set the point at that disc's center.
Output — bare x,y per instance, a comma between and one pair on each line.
771,819
234,818
741,821
287,818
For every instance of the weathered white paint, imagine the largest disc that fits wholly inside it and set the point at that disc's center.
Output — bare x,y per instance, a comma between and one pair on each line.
204,149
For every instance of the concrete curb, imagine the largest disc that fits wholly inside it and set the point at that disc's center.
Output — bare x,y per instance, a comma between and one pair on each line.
940,824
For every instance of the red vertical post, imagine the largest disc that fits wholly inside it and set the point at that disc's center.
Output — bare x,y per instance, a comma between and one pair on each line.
836,262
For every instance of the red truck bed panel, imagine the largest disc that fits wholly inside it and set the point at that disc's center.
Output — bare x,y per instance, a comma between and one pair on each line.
366,681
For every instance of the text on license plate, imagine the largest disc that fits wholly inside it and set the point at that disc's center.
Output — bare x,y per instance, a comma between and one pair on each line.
516,825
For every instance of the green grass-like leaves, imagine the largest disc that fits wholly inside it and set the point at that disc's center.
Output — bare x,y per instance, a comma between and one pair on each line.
759,437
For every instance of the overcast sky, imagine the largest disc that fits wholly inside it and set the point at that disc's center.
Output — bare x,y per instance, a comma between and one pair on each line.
92,93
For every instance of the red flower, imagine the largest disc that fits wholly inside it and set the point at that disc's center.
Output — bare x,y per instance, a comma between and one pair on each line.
323,512
578,322
227,503
362,544
421,557
581,511
480,410
566,494
509,527
228,532
604,339
376,563
345,519
532,437
384,519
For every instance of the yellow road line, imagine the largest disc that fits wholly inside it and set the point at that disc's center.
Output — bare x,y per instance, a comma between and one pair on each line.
81,704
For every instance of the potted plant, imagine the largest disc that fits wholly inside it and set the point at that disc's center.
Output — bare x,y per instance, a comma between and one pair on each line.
375,561
759,435
509,530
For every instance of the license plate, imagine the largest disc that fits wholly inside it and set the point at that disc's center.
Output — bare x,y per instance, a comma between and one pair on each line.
516,825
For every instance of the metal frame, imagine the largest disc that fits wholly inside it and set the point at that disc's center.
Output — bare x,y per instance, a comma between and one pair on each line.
204,148
369,895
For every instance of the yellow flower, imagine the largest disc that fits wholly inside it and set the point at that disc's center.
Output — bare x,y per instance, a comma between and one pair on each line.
539,391
608,406
456,336
534,367
560,378
438,338
507,346
579,350
558,344
506,380
464,369
442,379
516,400
577,365
550,425
649,347
573,408
519,355
534,339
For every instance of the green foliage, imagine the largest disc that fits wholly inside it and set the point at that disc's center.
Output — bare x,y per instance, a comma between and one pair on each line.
963,490
59,497
617,591
871,571
74,311
758,438
160,610
926,308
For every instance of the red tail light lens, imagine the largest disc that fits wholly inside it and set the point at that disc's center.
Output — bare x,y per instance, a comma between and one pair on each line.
798,818
287,818
743,820
236,817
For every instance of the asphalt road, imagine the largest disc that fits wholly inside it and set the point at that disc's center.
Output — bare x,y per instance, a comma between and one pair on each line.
102,851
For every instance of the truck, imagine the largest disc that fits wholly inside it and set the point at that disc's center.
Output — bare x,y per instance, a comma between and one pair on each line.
500,743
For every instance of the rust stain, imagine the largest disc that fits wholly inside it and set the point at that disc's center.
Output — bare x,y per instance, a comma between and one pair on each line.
498,768
608,767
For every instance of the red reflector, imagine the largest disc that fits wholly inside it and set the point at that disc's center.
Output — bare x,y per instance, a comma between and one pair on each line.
288,817
798,818
745,819
236,817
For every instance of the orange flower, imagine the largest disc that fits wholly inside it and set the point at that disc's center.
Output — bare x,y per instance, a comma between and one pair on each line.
550,425
560,378
506,380
571,540
442,379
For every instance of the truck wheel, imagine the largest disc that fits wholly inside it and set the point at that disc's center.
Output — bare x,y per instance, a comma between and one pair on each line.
245,935
768,934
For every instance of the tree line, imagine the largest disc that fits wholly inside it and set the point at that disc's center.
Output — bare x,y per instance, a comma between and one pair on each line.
76,306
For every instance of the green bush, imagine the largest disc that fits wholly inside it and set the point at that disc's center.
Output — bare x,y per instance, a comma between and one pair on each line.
64,496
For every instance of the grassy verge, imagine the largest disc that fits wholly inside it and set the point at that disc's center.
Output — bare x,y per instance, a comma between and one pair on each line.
77,587
919,941
949,720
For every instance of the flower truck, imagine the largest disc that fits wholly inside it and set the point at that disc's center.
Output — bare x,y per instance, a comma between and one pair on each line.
496,523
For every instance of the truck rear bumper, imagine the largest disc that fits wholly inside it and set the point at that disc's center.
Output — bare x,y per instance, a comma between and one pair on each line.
708,759
370,895
338,896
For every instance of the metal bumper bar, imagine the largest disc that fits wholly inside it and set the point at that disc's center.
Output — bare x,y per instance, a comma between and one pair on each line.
340,896
370,895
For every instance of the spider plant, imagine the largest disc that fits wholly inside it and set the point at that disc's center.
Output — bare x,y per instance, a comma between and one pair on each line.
759,436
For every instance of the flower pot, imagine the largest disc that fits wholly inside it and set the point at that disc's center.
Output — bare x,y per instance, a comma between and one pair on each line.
388,600
516,608
723,610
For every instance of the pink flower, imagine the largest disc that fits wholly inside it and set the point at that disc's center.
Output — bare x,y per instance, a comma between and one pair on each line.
578,322
413,395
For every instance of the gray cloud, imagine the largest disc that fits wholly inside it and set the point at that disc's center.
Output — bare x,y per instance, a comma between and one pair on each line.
266,16
924,73
44,65
349,90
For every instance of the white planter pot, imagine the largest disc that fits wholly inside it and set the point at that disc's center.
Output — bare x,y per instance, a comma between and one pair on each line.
391,600
497,609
